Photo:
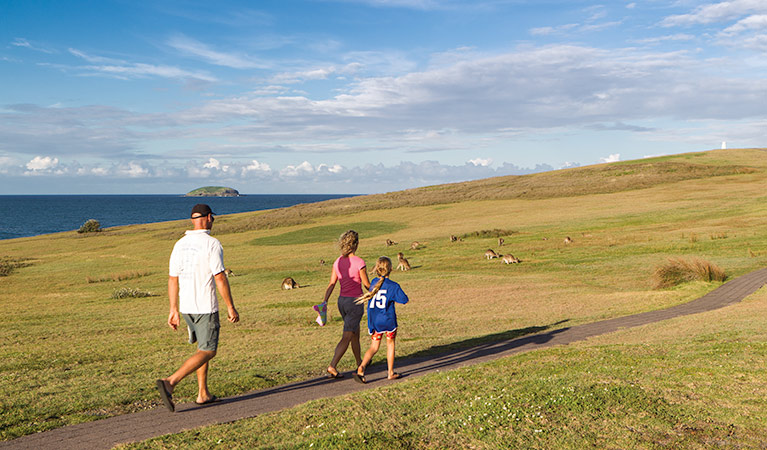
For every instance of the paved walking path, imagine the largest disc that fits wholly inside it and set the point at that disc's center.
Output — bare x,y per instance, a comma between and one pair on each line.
143,425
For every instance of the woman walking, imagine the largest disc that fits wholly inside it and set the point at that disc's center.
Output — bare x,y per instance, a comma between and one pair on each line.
349,270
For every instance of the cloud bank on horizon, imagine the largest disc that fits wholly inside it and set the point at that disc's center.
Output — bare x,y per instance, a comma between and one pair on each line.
361,96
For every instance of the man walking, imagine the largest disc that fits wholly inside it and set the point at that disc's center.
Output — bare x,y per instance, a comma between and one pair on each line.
196,270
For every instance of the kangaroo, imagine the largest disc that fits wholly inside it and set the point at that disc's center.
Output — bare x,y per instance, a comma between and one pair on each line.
511,259
568,240
403,263
490,254
453,238
414,245
322,262
289,283
389,243
500,242
228,273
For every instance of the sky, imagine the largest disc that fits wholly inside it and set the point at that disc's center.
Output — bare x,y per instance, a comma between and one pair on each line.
364,96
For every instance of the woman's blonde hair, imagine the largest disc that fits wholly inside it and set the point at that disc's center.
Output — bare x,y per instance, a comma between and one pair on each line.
349,242
382,269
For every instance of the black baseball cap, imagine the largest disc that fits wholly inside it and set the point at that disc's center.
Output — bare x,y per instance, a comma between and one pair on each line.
202,209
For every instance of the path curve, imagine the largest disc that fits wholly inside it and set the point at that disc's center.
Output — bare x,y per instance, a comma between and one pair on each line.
105,433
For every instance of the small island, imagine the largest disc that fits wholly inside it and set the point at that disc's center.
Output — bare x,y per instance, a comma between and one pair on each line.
213,191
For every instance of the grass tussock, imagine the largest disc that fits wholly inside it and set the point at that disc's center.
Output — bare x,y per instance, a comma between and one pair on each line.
125,292
8,265
494,233
677,271
122,276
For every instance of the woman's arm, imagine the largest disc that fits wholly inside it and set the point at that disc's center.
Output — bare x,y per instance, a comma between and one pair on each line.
331,285
364,278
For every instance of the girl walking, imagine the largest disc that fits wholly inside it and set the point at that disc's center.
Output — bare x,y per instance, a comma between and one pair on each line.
382,317
350,271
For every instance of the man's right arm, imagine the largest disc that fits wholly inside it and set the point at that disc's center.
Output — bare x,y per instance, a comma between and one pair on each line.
173,316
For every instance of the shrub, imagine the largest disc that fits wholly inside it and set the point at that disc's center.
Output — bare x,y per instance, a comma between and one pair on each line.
90,226
494,233
117,276
8,265
677,271
130,293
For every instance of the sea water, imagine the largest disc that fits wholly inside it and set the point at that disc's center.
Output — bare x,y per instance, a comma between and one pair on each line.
31,215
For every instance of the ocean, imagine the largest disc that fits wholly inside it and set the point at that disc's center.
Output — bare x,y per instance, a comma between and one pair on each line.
32,215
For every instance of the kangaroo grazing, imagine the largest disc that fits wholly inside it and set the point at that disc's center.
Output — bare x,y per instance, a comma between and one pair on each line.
403,263
322,262
228,273
389,243
414,245
453,238
289,283
490,254
568,240
511,259
500,242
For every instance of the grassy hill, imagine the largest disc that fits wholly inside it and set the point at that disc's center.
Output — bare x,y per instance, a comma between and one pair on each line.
72,353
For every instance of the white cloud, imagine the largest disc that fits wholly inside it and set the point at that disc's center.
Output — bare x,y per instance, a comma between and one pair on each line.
126,70
42,163
612,158
294,171
189,46
133,170
716,12
21,42
481,161
256,167
755,22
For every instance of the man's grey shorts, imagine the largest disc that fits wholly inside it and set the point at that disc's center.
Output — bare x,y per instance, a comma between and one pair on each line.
351,313
203,329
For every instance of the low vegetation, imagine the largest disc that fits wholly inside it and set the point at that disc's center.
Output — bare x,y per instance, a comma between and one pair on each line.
692,382
8,265
679,270
125,292
90,226
494,233
121,276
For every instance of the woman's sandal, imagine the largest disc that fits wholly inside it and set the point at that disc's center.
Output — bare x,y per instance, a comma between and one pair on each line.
394,376
335,375
359,378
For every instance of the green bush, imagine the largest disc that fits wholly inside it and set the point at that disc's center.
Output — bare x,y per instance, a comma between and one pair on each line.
130,293
90,226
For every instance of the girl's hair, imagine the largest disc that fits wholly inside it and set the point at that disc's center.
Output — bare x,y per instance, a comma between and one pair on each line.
382,269
348,242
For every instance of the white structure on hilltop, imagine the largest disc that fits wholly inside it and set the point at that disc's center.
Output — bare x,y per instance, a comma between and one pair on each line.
724,145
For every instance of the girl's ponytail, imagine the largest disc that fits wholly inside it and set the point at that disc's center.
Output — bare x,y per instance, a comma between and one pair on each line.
382,269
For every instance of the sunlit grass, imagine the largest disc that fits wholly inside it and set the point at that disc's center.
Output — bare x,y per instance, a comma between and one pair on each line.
102,355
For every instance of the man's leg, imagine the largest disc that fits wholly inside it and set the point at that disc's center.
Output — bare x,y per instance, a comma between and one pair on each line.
203,395
195,362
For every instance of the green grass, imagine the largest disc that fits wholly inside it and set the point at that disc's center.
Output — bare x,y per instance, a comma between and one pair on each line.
72,354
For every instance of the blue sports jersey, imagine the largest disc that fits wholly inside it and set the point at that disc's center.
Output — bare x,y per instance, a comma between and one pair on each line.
381,314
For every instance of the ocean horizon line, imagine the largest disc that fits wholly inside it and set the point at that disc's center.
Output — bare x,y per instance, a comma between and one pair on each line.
27,215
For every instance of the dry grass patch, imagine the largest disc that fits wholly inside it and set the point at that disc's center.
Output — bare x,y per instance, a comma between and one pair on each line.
8,265
122,276
677,271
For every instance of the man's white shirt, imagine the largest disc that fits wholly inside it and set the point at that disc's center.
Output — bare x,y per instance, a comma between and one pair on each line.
196,259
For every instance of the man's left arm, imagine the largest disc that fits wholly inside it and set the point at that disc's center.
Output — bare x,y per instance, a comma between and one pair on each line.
222,284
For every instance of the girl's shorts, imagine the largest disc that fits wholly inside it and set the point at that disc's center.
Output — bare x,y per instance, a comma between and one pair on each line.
378,336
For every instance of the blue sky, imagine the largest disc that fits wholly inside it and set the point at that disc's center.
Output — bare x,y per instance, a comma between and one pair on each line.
362,96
